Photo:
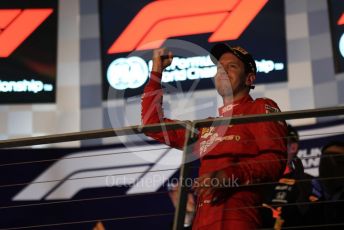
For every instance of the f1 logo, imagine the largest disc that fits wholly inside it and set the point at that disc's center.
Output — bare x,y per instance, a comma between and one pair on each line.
341,20
159,20
143,169
17,25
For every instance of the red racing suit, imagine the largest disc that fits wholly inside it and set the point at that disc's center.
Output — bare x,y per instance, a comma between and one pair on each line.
252,152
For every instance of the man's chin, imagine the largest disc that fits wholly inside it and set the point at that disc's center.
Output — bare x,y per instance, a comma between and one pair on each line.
226,95
224,92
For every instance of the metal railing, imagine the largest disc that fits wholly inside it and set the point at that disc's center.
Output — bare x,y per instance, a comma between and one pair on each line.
191,129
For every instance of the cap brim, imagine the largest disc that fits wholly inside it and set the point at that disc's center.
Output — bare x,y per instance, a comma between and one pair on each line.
218,50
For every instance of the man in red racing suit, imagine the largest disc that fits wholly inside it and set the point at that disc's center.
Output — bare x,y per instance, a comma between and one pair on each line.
236,157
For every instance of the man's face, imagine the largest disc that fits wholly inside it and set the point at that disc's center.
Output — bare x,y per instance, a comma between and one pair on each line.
230,77
293,148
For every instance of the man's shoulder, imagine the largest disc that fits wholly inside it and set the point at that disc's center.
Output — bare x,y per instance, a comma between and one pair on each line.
264,100
265,105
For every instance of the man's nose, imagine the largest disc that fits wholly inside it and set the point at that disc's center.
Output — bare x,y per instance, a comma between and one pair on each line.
221,72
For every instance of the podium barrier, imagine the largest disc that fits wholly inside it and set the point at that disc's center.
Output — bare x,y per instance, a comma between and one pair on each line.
191,129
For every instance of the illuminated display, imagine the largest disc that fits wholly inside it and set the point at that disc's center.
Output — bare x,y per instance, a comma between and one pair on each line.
133,72
336,12
341,45
131,29
28,42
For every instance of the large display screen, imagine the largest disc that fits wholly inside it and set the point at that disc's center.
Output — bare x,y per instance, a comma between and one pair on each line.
28,47
336,12
130,30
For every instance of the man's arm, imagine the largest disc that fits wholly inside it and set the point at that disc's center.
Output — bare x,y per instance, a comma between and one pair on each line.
152,111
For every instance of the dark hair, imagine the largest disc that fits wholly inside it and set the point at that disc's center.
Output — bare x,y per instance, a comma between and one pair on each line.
293,135
332,143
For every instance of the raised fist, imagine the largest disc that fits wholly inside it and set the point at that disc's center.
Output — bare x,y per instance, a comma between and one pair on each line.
162,58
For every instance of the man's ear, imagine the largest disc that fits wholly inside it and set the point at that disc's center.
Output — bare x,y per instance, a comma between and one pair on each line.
251,77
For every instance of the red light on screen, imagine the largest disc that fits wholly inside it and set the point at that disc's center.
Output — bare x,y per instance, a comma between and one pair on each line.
17,25
341,20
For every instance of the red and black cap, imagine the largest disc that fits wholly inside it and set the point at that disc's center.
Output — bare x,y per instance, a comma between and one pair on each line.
219,49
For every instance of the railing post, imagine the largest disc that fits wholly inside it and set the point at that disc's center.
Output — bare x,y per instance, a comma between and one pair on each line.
179,215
